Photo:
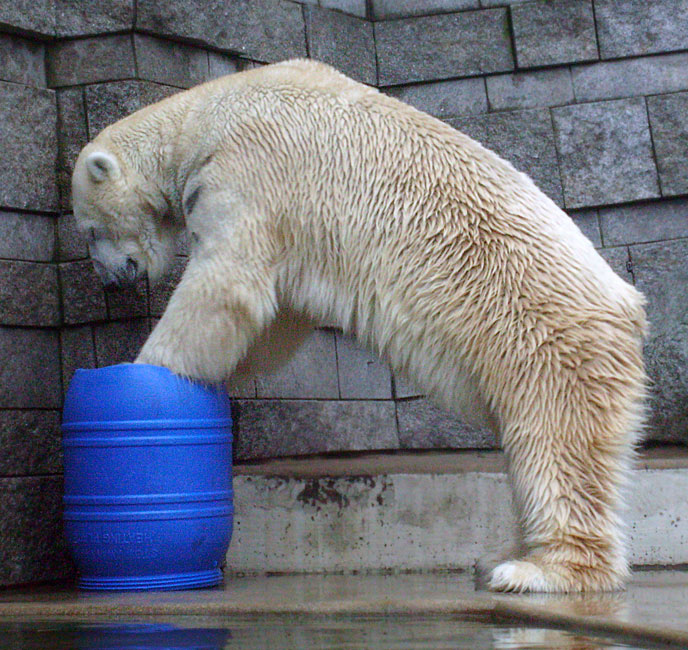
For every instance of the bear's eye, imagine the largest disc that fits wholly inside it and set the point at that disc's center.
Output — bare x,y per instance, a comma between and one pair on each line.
95,233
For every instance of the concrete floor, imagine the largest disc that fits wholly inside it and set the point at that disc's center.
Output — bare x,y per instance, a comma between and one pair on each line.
653,611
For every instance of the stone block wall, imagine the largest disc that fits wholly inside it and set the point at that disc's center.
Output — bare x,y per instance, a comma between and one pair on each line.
589,97
30,316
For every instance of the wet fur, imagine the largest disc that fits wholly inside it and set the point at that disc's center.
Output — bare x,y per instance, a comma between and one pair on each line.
312,198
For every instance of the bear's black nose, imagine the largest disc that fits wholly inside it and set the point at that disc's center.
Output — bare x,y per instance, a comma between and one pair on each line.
132,270
125,276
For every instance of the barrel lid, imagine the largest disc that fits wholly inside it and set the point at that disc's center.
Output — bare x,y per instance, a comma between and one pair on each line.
132,391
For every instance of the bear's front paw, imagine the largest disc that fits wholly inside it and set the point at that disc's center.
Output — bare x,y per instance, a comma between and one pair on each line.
146,355
155,355
182,362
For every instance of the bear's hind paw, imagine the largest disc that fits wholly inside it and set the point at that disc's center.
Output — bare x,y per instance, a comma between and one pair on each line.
520,576
533,576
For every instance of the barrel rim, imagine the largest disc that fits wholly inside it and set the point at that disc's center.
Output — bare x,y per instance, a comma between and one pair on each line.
165,423
144,499
166,581
146,441
225,511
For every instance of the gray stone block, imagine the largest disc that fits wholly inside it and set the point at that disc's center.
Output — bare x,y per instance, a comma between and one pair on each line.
31,17
29,369
170,63
669,124
551,32
645,222
630,77
525,139
387,9
605,152
28,294
311,373
661,273
530,89
619,260
77,346
84,18
589,224
271,428
32,547
353,7
220,64
424,426
161,291
28,118
343,41
28,237
70,244
445,99
500,3
404,388
83,297
361,375
265,30
128,302
109,102
247,64
72,135
30,442
474,127
243,388
444,46
22,61
120,341
634,27
91,60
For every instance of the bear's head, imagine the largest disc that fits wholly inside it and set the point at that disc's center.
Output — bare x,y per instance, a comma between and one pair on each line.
123,215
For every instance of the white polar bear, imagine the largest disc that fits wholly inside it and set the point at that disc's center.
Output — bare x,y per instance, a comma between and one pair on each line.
310,197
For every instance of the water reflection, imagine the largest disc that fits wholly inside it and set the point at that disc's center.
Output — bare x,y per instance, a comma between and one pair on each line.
609,605
536,638
155,637
288,634
113,636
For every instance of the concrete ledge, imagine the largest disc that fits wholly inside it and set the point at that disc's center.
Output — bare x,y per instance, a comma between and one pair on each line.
421,512
423,462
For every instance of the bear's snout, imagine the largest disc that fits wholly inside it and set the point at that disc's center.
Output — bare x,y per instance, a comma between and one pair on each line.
120,277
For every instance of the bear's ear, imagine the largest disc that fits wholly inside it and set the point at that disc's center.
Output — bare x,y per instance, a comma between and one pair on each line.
101,166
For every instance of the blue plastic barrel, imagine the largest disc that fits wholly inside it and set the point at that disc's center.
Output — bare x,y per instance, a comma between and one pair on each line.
148,478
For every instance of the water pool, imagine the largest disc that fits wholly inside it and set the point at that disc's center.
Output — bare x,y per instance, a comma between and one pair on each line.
376,633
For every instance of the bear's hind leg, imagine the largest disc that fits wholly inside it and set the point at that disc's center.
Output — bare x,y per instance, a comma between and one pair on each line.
569,441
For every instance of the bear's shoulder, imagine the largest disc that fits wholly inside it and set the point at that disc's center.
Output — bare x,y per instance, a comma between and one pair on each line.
302,72
295,76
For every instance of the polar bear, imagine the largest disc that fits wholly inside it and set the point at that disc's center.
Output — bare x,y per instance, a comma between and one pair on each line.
313,198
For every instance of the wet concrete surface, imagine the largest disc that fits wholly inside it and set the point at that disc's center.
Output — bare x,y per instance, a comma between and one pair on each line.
371,611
